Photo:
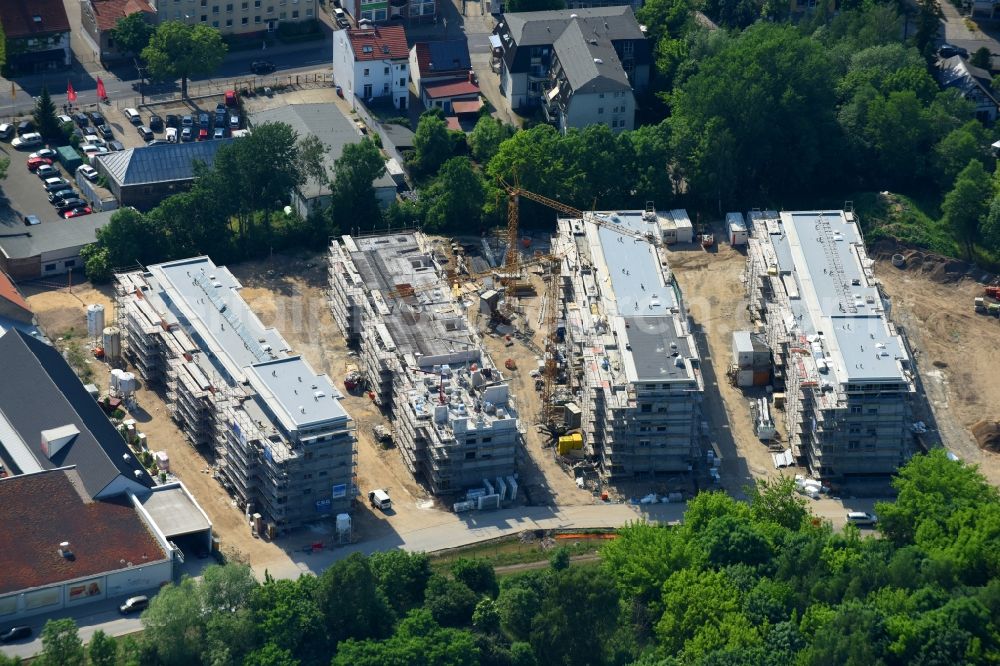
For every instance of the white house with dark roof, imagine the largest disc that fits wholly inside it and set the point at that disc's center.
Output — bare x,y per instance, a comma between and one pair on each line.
972,83
582,66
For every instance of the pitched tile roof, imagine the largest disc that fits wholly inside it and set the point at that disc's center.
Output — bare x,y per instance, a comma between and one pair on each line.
444,56
40,511
9,292
107,12
544,27
18,17
451,89
379,43
468,106
160,163
35,374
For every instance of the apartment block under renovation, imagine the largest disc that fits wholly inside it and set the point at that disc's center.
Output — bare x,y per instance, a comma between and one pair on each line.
454,418
846,372
628,336
284,444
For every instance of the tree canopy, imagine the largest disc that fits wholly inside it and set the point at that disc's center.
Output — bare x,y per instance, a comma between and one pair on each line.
177,50
132,33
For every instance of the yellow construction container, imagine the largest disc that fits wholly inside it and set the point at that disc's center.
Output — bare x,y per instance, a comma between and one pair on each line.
569,443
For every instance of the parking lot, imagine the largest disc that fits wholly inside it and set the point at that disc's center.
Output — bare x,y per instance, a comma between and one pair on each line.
24,191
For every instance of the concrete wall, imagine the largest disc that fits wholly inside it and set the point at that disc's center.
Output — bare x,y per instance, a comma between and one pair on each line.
585,110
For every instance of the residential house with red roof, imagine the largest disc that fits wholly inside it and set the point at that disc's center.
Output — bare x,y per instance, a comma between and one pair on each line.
442,73
99,18
36,34
373,63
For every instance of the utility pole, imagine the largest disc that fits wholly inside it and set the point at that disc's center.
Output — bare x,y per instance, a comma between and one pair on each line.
142,92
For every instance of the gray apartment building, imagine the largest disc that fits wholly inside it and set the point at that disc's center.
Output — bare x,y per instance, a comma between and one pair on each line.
454,417
846,371
283,443
628,333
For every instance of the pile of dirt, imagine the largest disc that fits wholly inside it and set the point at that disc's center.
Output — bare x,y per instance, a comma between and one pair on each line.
934,266
987,434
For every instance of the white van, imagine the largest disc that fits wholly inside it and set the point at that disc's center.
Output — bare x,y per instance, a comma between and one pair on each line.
862,519
133,116
379,499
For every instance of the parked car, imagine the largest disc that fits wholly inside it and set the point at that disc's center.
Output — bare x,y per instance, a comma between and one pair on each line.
155,123
6,131
105,131
15,633
187,121
220,118
947,50
31,220
93,140
260,67
44,152
133,116
46,171
234,121
81,119
231,99
219,133
35,162
134,604
63,119
204,121
59,196
203,134
173,120
97,118
29,140
116,145
145,132
25,127
186,134
79,211
53,184
88,148
862,519
341,17
70,204
88,172
171,135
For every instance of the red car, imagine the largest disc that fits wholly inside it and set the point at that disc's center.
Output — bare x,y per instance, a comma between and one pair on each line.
36,162
203,134
77,212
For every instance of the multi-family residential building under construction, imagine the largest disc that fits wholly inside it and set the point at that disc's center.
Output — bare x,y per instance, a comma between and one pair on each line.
626,338
454,418
845,369
284,445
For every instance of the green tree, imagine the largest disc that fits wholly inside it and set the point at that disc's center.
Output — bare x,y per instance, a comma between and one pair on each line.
772,84
451,602
432,145
271,655
132,33
517,606
178,50
576,619
3,47
402,577
486,617
559,559
929,17
61,646
228,587
477,574
288,621
45,117
455,198
174,623
102,650
991,226
348,597
4,165
982,58
354,203
963,144
967,203
778,502
486,137
418,641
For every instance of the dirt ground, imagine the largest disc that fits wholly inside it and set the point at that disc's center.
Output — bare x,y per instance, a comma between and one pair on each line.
712,284
956,350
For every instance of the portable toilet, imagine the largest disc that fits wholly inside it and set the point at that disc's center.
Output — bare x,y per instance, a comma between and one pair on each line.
737,229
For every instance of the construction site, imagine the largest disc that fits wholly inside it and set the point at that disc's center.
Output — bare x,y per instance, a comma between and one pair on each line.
845,372
282,443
